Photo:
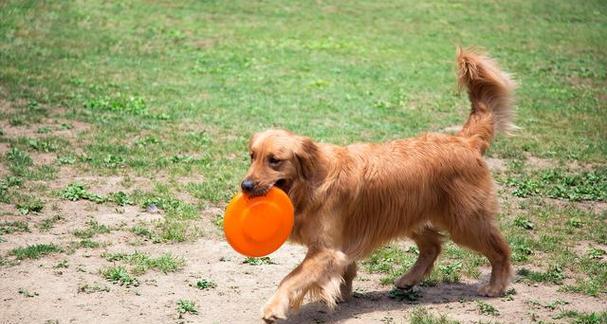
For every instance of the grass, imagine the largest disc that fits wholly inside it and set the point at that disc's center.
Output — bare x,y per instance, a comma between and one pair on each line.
35,251
13,227
584,318
562,184
119,275
93,228
421,315
48,223
487,309
141,262
204,284
186,306
257,261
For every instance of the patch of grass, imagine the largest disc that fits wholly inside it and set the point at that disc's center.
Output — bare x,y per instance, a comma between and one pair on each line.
89,244
553,275
421,315
35,251
45,145
143,231
523,222
562,184
407,295
12,227
257,261
63,264
49,223
93,228
584,318
141,262
487,309
120,198
66,159
29,204
204,284
186,306
119,275
77,191
391,261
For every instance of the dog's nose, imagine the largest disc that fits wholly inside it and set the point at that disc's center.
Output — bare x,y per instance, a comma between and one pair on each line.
247,185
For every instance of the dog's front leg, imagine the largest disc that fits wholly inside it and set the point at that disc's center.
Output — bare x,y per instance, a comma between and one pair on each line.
321,270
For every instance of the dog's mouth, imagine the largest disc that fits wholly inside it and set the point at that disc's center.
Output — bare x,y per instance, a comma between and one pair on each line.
283,185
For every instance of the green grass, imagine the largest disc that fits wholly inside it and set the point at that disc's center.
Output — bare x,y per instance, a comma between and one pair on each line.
48,223
204,284
35,251
257,261
421,315
141,262
487,309
186,306
584,318
119,275
562,184
12,227
93,228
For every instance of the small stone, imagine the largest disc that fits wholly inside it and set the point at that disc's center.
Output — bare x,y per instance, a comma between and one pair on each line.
152,208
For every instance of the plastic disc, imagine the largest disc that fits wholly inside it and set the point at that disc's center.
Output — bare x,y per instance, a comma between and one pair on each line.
258,226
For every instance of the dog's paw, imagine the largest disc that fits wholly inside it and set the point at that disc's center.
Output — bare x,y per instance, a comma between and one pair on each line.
491,291
276,309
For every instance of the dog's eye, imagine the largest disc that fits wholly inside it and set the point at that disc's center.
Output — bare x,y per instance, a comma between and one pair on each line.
274,161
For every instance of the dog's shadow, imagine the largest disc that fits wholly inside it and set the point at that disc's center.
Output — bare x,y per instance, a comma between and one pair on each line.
383,301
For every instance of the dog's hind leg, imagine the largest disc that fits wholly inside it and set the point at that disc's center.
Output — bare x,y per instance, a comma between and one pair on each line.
482,235
429,242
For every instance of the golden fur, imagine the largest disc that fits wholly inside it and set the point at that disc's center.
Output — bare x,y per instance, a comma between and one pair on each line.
351,200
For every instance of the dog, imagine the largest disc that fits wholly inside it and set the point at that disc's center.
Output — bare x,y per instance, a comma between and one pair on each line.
351,200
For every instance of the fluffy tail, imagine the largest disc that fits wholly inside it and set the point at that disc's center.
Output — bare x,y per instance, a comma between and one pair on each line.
491,94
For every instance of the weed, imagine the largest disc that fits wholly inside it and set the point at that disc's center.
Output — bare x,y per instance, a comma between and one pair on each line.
29,205
89,244
34,251
421,315
119,275
595,253
204,284
523,222
120,198
63,264
554,275
142,263
93,228
46,145
557,183
142,231
49,223
186,306
584,318
77,191
12,227
487,309
66,159
257,261
408,295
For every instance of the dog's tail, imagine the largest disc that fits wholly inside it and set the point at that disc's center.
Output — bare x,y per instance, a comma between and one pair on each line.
491,94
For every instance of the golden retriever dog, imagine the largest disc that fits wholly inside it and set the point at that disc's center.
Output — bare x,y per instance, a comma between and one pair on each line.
351,200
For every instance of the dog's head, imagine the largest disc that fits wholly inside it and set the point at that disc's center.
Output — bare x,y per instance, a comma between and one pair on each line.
278,158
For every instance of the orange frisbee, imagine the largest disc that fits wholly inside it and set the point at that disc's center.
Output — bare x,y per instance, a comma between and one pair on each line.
258,226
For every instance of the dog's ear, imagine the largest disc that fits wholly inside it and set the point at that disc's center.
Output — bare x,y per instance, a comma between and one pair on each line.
307,156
